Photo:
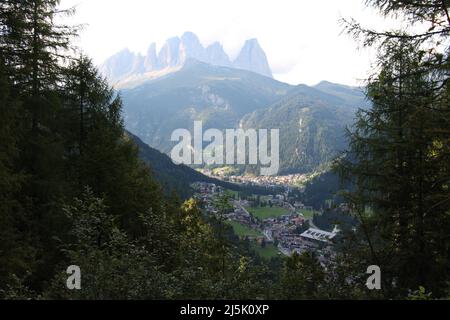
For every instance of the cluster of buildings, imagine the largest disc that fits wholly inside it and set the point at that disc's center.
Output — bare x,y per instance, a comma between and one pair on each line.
270,181
280,227
290,235
287,232
312,239
265,181
242,216
205,192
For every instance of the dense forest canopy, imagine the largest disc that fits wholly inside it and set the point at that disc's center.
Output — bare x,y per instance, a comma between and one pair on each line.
398,159
73,190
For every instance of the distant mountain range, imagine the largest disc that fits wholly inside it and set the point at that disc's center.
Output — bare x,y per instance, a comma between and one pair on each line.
311,119
127,69
312,123
219,96
186,82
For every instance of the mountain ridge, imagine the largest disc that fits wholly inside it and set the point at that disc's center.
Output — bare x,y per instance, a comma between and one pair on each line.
312,124
311,119
124,66
219,96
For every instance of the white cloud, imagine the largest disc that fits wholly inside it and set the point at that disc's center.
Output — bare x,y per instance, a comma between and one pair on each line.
301,38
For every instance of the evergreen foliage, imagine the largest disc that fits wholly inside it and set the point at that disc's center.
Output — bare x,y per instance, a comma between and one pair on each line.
73,190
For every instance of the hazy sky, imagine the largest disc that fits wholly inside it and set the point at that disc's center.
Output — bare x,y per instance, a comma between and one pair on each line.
302,38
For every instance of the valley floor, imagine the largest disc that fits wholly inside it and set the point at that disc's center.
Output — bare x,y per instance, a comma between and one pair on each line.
275,225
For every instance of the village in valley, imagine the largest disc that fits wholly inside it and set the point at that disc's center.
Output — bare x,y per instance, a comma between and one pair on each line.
276,224
286,181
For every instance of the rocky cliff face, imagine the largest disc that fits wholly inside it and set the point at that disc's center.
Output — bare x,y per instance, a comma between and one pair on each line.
174,54
253,58
215,55
117,66
151,60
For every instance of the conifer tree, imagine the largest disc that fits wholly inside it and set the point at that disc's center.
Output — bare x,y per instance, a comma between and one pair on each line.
14,247
398,157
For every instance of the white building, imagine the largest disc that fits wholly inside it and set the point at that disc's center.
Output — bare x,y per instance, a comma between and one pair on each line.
313,234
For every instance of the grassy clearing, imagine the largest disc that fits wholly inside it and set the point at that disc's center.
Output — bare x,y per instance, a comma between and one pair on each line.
267,212
308,214
243,231
268,252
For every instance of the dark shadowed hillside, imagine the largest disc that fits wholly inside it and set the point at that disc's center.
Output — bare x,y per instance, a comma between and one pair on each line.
172,177
178,178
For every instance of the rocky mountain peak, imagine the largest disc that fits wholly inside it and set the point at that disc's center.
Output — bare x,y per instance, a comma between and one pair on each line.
252,57
174,54
169,55
216,55
151,60
190,47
